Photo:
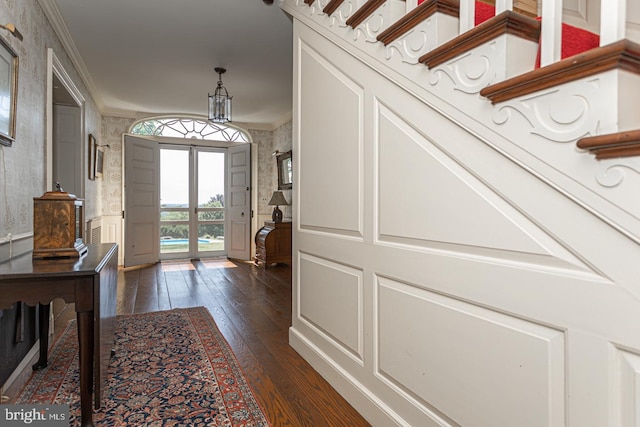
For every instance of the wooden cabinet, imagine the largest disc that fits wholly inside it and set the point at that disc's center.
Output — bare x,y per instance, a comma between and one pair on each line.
273,243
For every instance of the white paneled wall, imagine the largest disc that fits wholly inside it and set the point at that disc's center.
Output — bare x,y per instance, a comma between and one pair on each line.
440,280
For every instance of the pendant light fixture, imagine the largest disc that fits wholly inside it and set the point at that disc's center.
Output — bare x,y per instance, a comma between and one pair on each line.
220,101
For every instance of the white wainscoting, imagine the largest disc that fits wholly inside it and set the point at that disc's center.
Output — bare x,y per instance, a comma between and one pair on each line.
330,301
112,233
447,274
450,351
626,401
332,179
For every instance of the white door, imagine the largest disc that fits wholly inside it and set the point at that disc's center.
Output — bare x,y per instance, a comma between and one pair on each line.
67,149
239,204
141,213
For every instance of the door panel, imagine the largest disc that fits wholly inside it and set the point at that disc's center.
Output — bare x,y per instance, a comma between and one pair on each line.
142,222
239,207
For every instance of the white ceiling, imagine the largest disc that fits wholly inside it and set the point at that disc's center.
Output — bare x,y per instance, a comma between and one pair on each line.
158,56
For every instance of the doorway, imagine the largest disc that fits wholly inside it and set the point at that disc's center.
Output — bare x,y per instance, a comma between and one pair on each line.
65,130
192,202
185,201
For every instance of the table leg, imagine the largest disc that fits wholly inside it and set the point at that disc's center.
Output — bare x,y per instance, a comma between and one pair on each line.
43,325
85,341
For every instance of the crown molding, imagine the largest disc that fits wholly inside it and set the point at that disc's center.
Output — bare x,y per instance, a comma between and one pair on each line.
283,120
51,11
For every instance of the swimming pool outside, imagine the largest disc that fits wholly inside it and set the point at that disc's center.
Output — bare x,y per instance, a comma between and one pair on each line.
182,245
180,241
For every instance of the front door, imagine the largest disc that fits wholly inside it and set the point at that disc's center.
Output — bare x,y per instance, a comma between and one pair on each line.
239,206
186,202
142,176
192,202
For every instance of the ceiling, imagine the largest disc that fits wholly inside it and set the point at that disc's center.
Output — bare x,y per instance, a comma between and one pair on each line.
158,56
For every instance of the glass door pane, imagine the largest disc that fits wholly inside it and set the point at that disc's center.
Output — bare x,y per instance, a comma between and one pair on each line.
210,185
174,202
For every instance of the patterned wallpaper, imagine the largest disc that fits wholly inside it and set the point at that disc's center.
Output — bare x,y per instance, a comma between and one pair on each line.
112,130
266,141
22,166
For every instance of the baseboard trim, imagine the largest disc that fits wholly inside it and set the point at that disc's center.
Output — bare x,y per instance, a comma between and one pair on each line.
362,399
20,375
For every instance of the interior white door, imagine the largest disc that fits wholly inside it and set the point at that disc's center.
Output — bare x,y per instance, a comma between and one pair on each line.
67,149
141,213
239,204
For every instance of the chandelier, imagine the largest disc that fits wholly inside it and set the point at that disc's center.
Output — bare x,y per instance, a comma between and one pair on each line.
220,101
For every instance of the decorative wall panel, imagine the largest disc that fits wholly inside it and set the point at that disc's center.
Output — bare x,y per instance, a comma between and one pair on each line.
331,157
582,14
627,395
440,200
330,300
435,349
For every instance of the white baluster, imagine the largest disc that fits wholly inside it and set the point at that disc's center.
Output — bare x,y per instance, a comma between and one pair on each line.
467,15
613,18
411,4
550,50
502,5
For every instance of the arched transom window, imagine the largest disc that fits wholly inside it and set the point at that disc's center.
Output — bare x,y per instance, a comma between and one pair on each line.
185,127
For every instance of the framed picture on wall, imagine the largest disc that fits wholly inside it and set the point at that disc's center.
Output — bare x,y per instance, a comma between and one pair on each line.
285,171
8,93
99,161
91,157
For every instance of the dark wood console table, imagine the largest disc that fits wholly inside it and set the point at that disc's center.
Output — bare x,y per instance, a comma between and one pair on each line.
89,282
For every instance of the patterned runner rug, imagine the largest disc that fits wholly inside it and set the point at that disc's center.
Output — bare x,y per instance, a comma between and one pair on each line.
170,368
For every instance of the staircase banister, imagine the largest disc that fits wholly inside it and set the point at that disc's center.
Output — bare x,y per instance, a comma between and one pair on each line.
621,144
418,15
624,54
364,12
332,6
508,22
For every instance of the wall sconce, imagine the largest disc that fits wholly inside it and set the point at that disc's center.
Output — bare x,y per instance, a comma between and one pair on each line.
277,199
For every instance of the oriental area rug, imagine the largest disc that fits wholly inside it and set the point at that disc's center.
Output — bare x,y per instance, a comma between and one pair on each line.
170,368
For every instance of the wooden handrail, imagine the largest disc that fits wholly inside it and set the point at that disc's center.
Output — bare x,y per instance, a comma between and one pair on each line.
332,6
621,144
508,22
364,12
418,15
623,54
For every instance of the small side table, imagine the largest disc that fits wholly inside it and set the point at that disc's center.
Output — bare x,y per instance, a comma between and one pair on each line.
273,243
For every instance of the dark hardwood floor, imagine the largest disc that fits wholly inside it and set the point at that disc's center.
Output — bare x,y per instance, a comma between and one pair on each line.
252,308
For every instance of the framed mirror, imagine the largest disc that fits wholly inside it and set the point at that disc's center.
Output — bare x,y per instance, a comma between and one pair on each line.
285,171
8,89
